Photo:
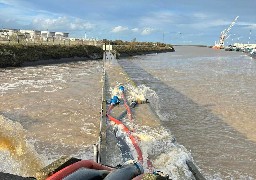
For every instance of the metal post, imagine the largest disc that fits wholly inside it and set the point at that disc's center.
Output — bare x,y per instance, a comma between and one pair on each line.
18,39
250,37
95,152
105,52
53,40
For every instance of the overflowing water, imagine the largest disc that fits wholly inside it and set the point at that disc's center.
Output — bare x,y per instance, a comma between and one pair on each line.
207,99
204,100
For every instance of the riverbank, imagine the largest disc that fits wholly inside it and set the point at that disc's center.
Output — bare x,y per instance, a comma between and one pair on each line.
126,51
27,55
17,55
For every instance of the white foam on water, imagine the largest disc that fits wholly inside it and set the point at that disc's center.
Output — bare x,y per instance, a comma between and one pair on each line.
167,156
17,151
8,164
29,85
120,133
157,144
88,128
140,92
19,155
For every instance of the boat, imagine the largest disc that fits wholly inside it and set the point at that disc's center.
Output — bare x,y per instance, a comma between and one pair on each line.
253,53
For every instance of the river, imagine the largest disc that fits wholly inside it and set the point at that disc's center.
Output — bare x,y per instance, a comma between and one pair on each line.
205,97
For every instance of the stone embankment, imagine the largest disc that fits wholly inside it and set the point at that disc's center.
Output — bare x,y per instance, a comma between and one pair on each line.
23,55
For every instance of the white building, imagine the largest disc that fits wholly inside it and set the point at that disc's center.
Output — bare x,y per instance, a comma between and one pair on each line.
61,35
45,35
65,35
30,34
240,45
56,35
33,34
5,33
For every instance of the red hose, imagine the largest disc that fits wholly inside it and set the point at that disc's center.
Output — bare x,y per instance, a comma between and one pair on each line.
150,166
132,138
73,167
138,177
127,131
149,163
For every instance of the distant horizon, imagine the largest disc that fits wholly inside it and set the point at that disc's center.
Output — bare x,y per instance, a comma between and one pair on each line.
199,45
172,22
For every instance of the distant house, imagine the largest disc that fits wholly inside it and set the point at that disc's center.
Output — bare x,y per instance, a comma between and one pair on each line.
61,35
5,33
73,39
31,34
51,34
65,35
45,35
56,35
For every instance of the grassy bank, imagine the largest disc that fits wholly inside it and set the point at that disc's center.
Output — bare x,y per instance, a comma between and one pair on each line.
123,51
18,55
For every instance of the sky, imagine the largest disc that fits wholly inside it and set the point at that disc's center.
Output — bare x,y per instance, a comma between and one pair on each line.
191,22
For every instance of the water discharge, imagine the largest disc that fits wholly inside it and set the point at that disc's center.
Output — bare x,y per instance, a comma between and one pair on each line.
13,141
157,143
